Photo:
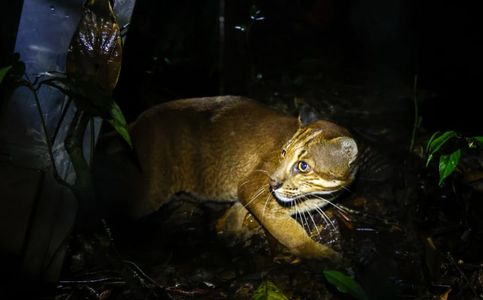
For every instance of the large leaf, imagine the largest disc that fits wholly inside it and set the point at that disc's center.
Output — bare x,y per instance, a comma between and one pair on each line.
436,142
345,284
447,164
268,291
95,50
118,121
3,72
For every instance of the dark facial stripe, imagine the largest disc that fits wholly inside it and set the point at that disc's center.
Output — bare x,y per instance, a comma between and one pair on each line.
305,137
302,153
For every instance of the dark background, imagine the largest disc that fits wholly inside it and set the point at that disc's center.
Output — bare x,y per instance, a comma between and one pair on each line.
173,50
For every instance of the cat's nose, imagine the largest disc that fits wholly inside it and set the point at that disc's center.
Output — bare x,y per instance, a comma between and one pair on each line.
275,184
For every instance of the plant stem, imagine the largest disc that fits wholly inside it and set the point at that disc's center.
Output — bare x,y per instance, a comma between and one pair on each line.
73,145
83,187
61,119
48,140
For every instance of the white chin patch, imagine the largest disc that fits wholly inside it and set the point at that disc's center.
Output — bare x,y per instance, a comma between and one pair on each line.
322,193
329,183
282,198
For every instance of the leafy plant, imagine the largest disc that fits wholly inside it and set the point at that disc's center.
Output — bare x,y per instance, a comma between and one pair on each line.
268,291
449,160
92,70
345,284
90,97
3,72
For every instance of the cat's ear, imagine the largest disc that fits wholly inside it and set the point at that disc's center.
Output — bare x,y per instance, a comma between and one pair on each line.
348,148
307,115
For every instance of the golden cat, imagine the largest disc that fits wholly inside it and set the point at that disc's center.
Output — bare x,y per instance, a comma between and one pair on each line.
235,149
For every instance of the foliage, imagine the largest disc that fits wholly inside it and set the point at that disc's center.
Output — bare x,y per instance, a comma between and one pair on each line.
92,71
118,122
449,160
3,72
268,291
91,98
345,284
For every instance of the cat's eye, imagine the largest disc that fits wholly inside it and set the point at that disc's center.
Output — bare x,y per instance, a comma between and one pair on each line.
303,167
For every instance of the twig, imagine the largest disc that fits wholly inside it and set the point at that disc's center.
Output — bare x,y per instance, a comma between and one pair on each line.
108,281
179,291
138,274
140,271
450,258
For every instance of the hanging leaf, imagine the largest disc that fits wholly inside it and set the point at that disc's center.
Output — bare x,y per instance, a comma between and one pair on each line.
447,164
95,50
94,64
345,284
3,72
118,121
268,291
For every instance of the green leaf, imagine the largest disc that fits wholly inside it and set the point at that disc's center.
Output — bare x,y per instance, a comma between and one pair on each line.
3,72
479,139
345,284
91,98
118,121
430,157
268,291
447,164
431,140
435,143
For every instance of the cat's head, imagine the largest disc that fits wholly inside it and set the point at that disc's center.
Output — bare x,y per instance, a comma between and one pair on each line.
318,161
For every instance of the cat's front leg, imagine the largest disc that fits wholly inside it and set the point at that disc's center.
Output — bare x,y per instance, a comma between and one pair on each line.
276,219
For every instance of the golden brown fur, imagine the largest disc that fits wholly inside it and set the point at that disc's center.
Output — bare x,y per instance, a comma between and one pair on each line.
235,149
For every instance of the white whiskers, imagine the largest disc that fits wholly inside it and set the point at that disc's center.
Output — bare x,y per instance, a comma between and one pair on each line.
325,217
265,205
313,222
257,194
338,207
